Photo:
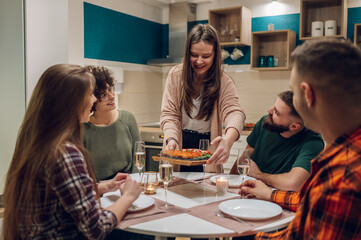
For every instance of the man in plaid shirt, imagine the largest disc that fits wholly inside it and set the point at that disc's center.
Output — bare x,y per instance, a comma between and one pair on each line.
326,81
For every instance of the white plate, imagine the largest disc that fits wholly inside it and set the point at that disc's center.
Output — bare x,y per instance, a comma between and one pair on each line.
234,180
250,209
141,203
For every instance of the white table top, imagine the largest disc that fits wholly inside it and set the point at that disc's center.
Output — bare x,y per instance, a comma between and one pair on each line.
185,225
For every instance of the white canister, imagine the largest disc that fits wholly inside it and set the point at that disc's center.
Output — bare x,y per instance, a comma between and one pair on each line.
317,29
330,28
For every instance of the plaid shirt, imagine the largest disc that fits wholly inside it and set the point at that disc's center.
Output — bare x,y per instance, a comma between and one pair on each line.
71,210
330,203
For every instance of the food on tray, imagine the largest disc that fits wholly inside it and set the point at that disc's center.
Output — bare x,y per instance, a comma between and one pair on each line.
188,154
248,126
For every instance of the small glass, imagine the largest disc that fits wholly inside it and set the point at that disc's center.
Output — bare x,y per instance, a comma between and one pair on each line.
222,185
204,145
243,164
151,183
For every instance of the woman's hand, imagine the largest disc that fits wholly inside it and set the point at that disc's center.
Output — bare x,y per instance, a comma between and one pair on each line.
112,184
221,154
172,145
130,189
255,189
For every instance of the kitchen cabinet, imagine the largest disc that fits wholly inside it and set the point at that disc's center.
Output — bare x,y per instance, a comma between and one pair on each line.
233,25
357,35
279,44
323,10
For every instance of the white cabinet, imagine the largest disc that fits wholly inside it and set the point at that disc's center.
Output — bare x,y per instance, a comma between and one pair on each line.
239,145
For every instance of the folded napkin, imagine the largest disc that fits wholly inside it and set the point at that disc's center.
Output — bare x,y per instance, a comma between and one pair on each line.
207,213
151,213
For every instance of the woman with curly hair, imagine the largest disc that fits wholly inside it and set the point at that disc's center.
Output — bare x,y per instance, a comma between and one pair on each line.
111,133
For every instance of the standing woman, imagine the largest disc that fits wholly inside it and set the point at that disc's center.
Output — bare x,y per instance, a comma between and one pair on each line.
199,97
50,190
110,134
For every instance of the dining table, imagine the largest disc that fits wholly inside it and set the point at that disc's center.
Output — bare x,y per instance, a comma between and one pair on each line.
196,210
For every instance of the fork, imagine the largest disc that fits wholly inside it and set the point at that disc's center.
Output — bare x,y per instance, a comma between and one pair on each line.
219,214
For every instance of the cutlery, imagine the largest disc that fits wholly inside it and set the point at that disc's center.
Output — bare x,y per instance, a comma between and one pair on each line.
141,216
219,214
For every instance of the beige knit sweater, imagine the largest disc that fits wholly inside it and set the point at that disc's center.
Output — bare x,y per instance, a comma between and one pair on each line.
226,110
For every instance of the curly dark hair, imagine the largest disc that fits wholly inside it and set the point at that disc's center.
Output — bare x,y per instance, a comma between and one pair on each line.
104,77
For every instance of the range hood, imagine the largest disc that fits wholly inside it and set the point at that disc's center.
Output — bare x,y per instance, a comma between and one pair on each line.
180,14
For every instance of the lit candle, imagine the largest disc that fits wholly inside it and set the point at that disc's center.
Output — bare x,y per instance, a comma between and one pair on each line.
150,189
222,185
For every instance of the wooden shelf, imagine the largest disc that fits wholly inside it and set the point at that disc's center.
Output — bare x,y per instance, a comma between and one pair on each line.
233,25
357,35
279,43
323,10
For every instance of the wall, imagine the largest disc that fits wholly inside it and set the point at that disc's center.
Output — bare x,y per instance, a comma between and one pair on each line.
12,79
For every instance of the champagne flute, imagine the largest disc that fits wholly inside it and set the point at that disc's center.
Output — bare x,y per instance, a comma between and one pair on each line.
139,156
204,145
243,164
166,173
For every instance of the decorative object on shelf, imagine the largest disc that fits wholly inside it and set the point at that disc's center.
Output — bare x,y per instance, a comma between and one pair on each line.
236,54
275,62
270,61
271,27
225,54
322,10
330,28
317,29
357,35
277,43
262,61
233,24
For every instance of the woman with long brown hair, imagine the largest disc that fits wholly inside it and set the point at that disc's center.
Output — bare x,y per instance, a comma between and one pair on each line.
199,97
50,190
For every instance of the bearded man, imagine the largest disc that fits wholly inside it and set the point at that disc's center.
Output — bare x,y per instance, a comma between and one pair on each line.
281,148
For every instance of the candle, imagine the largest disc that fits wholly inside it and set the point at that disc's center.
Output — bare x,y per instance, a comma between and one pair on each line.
222,185
149,189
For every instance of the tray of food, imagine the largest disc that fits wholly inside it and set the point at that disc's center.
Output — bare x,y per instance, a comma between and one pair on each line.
186,157
248,126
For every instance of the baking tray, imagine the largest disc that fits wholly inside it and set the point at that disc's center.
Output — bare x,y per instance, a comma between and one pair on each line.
182,161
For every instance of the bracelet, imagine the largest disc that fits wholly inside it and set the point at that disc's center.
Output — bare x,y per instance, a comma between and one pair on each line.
167,141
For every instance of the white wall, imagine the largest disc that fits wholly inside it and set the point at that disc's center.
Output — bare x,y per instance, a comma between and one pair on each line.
46,37
12,80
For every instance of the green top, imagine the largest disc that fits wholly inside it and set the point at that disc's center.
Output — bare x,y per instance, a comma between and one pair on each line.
275,154
112,146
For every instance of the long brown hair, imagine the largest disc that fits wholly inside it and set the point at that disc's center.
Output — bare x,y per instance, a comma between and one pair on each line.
51,119
205,33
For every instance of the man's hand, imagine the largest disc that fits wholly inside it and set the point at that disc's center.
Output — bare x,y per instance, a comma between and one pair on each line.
255,189
254,170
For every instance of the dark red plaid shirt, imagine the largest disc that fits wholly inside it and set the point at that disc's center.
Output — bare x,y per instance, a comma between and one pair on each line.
330,205
71,211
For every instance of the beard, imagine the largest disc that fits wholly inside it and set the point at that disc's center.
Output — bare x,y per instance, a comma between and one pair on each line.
269,125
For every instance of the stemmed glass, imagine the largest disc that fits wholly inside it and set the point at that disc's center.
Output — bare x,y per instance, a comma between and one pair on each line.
204,145
243,164
139,156
166,173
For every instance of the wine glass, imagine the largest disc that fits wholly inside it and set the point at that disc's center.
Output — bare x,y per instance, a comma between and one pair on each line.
204,145
139,156
166,173
243,164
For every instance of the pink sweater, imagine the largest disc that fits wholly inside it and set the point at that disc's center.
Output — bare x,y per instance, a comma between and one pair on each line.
227,109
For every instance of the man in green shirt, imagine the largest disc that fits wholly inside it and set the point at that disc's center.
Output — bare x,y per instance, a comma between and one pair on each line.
281,148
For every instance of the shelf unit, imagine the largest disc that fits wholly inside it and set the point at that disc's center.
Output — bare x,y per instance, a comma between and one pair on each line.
357,35
279,43
323,10
233,25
